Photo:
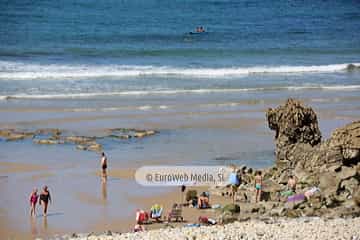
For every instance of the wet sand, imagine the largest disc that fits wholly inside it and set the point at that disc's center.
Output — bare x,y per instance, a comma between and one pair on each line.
11,167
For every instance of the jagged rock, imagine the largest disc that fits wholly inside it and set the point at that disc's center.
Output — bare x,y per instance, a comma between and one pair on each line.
48,141
277,212
351,67
293,123
356,196
96,147
349,186
333,165
80,139
12,135
292,213
348,139
233,208
226,217
140,134
81,147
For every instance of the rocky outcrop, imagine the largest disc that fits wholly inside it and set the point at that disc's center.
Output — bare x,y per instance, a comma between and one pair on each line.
293,124
332,165
51,136
298,139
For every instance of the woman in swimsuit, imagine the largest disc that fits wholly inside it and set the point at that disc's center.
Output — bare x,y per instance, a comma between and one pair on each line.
33,200
103,164
44,199
258,185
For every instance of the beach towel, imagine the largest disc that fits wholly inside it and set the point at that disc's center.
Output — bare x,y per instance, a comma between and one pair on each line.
192,225
311,191
295,198
287,193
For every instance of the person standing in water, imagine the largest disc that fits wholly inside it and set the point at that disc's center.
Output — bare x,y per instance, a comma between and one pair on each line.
103,165
45,198
258,185
33,200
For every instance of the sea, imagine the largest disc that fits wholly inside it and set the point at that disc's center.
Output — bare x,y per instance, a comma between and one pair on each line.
84,66
122,48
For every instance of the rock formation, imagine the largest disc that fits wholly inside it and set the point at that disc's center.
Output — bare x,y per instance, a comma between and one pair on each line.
332,165
50,136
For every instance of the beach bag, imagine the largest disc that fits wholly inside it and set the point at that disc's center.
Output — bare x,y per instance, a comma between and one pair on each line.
234,180
203,219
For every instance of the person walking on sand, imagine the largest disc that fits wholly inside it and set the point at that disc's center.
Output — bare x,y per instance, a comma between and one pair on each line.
103,164
258,185
235,181
45,198
33,200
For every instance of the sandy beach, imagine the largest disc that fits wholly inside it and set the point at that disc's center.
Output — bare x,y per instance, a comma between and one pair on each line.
104,206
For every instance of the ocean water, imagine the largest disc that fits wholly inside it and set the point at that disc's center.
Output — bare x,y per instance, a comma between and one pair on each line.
122,48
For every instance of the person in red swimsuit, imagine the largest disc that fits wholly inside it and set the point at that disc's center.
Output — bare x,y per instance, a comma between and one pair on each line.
33,200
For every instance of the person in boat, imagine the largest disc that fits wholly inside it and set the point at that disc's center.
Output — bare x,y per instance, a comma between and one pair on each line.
200,29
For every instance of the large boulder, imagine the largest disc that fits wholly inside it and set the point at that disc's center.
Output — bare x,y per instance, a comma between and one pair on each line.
356,197
294,123
348,140
298,139
332,165
233,208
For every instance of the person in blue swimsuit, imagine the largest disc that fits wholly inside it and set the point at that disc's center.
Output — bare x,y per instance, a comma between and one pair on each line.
258,185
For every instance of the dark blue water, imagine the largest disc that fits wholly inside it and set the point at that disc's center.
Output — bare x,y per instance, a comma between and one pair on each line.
141,44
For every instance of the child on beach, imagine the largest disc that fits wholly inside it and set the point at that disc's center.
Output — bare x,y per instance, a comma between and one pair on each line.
258,185
45,198
33,200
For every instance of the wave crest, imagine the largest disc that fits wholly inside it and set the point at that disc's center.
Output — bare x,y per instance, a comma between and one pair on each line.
23,71
180,91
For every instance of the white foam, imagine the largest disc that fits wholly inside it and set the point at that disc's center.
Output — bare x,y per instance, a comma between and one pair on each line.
144,108
163,107
23,71
178,92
